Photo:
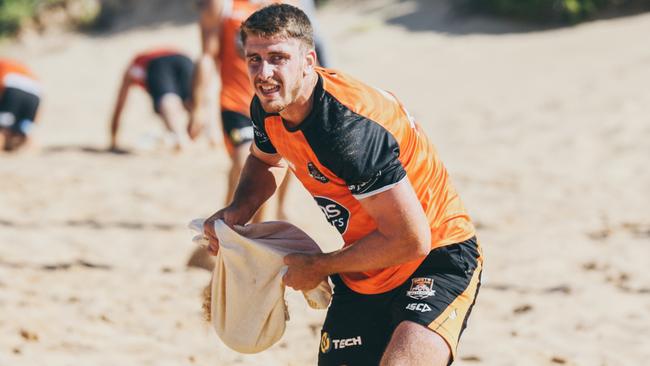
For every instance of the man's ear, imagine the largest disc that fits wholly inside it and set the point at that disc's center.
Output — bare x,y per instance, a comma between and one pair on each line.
310,61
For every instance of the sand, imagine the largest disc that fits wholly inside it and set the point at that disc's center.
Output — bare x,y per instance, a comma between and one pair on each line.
544,131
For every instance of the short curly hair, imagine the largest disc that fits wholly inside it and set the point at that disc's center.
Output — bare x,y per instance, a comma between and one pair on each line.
279,20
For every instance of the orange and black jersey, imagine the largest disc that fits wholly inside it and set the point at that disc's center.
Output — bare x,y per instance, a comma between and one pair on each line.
356,142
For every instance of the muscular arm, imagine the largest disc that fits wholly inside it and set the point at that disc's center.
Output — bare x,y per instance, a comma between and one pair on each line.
402,235
119,106
260,177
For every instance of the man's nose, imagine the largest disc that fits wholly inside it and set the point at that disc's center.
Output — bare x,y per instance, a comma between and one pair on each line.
266,70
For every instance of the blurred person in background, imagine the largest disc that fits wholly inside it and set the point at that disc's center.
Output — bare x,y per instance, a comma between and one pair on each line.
222,59
166,74
20,96
221,90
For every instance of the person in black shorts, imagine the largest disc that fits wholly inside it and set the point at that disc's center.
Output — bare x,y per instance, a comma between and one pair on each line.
166,75
359,327
19,100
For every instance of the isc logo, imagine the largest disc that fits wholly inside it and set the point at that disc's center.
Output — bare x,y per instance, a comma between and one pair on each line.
337,215
418,306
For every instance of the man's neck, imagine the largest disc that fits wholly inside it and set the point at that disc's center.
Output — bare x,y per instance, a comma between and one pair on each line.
297,111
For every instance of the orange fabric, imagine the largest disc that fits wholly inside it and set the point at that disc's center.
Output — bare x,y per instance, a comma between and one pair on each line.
448,219
13,67
142,60
236,90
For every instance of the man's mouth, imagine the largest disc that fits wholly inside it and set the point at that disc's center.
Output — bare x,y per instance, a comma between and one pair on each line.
269,89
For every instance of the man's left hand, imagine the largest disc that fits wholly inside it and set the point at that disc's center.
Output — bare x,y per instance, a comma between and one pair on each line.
303,273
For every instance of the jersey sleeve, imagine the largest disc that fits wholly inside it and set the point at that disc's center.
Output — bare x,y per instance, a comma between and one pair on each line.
356,149
261,139
375,166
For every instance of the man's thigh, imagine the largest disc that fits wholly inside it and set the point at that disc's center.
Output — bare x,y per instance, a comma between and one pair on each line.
414,344
441,293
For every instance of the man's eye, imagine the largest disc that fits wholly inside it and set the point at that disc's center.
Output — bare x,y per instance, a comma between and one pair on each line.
277,59
253,60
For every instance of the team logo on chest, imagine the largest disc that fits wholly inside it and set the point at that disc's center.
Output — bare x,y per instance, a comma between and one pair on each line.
315,173
421,288
337,215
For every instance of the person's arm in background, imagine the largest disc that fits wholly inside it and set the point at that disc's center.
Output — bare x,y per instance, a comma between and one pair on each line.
260,177
119,106
206,81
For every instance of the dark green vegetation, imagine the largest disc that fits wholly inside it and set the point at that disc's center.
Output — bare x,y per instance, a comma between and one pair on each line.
14,12
17,14
556,11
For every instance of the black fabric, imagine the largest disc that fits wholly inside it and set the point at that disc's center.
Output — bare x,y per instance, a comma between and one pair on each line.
21,104
360,151
169,74
261,139
237,127
365,323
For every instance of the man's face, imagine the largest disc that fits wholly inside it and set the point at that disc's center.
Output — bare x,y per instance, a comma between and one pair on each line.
276,68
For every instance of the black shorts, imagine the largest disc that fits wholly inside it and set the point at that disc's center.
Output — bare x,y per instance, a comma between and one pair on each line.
169,74
439,295
237,128
18,110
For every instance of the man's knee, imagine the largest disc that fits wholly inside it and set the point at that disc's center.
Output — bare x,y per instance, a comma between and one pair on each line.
171,103
415,344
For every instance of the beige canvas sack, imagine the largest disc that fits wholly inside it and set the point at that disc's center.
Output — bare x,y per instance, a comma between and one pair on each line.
248,310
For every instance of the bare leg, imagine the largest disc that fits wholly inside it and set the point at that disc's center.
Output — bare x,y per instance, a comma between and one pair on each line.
238,159
414,344
3,140
173,115
200,257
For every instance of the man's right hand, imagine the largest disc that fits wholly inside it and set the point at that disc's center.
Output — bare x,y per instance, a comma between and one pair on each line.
231,216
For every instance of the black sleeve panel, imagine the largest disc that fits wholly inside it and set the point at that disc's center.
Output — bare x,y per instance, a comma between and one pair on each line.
359,151
262,140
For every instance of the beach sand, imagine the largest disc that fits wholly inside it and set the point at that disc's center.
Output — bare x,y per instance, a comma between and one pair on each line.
544,132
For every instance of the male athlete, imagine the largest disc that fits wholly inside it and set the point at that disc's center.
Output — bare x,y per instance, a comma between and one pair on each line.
166,74
20,95
408,274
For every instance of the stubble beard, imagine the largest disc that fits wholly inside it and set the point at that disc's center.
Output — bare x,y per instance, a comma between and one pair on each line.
274,106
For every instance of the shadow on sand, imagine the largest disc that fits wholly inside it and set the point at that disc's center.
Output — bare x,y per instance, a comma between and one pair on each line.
94,224
84,149
443,16
122,16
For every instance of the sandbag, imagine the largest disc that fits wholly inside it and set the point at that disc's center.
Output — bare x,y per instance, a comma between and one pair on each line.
248,309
